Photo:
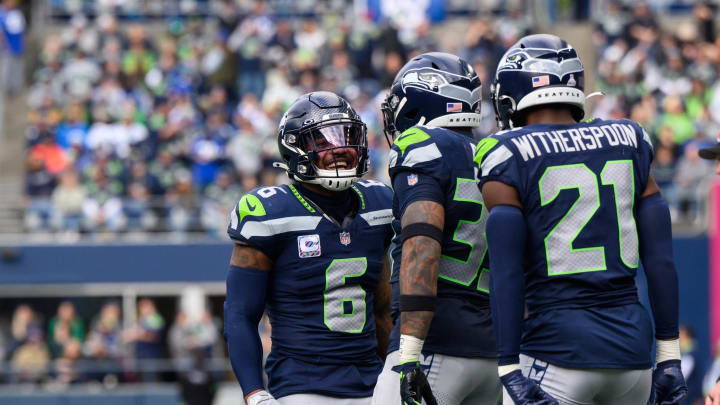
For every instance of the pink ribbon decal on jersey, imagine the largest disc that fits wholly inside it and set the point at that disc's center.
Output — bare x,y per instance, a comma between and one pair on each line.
714,237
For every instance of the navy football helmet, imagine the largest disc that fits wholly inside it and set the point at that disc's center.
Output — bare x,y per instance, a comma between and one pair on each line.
436,89
538,70
323,122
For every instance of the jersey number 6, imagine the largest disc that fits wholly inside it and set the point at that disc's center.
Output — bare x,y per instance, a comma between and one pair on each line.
344,305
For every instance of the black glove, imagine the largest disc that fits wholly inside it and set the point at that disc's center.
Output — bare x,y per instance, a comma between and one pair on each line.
524,391
414,386
668,384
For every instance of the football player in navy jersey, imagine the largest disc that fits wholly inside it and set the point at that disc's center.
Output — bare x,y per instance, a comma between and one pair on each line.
313,255
573,212
442,346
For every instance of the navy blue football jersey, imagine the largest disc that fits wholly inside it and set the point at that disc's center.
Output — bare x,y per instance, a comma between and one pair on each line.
324,277
579,185
435,164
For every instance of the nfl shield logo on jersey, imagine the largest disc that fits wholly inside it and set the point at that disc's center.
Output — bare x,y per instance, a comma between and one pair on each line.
412,179
309,246
345,238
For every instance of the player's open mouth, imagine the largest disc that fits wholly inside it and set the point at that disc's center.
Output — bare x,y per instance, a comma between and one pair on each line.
339,165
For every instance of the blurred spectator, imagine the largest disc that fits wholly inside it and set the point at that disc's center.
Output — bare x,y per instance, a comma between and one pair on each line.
12,46
165,169
146,334
663,170
677,120
104,342
206,150
713,372
139,174
73,130
29,356
68,199
136,208
690,183
138,59
104,336
39,184
197,385
193,330
193,340
68,367
245,149
220,197
64,327
79,75
692,366
102,209
50,153
247,42
183,202
704,12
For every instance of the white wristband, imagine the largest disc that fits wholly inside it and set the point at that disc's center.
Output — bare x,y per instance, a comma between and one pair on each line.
410,348
259,397
667,350
507,369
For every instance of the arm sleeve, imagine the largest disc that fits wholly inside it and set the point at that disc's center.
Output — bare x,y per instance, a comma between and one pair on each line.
244,306
506,233
411,187
655,235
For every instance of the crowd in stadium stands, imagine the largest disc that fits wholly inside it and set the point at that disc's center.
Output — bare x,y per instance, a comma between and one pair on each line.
68,350
665,78
132,130
138,129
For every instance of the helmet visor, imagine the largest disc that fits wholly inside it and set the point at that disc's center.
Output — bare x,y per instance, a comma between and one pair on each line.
336,146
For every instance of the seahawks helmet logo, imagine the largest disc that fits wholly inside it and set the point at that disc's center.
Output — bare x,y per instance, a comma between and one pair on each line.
554,62
441,82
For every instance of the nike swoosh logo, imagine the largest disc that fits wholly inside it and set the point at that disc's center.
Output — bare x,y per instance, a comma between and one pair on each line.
252,207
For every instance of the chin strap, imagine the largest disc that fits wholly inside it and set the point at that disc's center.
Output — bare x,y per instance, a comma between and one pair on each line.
330,183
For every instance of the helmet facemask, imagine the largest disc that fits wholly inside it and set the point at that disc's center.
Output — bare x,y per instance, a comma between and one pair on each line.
388,108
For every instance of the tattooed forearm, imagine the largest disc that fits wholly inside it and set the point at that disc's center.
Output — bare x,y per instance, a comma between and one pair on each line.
244,256
383,321
420,265
425,212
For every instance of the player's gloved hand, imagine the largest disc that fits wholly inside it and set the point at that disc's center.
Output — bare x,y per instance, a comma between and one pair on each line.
414,386
524,391
668,384
262,398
